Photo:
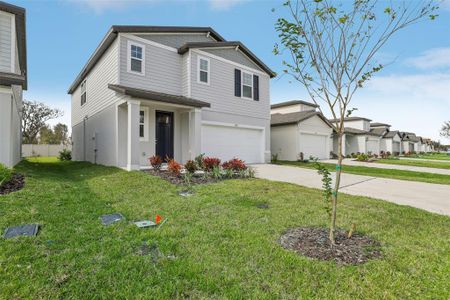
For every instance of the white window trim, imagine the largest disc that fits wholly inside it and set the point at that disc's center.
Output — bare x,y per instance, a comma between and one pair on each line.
145,109
198,70
242,84
85,91
129,44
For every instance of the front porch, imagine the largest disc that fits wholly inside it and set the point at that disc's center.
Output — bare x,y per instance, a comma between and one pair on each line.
148,124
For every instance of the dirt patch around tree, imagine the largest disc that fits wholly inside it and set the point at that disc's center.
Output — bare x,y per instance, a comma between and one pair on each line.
314,243
16,183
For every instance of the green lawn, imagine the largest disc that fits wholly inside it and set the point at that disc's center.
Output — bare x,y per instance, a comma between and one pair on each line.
378,172
224,246
416,163
435,156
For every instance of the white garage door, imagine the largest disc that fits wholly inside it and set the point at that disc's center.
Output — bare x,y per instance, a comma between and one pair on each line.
373,146
314,145
396,147
226,142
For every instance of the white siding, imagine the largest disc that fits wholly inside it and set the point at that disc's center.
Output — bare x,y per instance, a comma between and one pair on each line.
359,124
220,92
99,96
163,69
233,55
5,41
284,142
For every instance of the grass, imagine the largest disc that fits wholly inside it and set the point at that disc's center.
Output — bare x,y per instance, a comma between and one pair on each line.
5,174
378,172
434,156
416,163
224,246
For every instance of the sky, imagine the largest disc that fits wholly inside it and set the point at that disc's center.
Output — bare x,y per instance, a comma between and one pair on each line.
412,93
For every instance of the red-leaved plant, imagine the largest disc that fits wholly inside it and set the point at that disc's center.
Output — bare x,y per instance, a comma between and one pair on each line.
234,164
210,162
156,162
174,167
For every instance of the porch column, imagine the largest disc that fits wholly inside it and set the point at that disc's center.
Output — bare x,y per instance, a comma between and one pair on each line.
343,145
133,135
195,127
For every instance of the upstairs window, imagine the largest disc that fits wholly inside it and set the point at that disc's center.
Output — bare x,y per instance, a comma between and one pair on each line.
136,58
247,85
83,93
203,70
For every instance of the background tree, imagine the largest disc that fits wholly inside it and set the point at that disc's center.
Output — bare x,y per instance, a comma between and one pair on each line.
34,116
330,48
61,133
445,130
56,136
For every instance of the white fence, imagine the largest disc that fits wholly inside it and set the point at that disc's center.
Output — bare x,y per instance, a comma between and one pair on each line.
43,150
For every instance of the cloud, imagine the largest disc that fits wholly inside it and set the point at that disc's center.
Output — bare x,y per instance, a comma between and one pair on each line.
224,4
436,58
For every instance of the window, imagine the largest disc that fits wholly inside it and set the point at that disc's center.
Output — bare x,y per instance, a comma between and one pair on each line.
203,70
83,92
143,124
136,58
247,85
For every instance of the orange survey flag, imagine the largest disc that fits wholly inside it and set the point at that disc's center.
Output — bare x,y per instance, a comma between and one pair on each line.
158,219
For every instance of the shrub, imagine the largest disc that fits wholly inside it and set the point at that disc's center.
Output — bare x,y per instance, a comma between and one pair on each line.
65,154
333,155
234,164
5,174
353,155
174,167
375,155
362,157
274,158
190,166
210,162
348,156
199,161
156,162
216,172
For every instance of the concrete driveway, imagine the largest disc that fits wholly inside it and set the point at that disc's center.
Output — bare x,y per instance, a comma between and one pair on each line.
431,197
351,162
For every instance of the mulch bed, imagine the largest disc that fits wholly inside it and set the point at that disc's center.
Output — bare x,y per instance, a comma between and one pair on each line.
314,243
16,183
179,180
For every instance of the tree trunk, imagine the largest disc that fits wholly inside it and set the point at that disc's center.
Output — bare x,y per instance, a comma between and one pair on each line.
334,196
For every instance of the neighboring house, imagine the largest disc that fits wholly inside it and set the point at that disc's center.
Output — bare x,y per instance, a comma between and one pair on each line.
408,141
170,91
298,129
357,137
390,140
13,80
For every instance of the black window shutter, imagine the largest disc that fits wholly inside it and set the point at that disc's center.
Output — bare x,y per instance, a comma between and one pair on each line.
237,83
255,88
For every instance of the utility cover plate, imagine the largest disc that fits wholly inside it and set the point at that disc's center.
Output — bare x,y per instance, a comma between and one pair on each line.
143,224
111,218
23,230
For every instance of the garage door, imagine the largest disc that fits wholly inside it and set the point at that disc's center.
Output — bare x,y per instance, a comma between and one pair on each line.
396,147
314,145
373,146
226,142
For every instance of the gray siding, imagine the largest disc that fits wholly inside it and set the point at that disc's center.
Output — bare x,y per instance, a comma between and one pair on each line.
233,55
162,69
98,94
220,92
5,42
176,40
10,127
103,125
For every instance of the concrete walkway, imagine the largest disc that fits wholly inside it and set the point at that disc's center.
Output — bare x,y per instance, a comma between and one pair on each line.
431,197
351,162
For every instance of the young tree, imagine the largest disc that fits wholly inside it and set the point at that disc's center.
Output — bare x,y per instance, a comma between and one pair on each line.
445,130
330,50
34,116
61,133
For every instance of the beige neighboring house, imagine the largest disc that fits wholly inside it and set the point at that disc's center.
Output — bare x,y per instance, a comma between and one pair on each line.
13,80
170,91
357,137
297,129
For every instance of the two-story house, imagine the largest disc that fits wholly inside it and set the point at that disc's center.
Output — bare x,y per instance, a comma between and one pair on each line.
13,80
170,91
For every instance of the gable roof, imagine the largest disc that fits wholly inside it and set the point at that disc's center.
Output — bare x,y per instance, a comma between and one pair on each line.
376,124
19,13
183,49
350,119
295,117
157,96
391,134
378,131
113,32
356,131
293,102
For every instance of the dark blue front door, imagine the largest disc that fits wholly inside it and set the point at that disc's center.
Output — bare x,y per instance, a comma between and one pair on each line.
164,134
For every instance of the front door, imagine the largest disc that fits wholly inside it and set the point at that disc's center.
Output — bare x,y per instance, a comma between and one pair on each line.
164,134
